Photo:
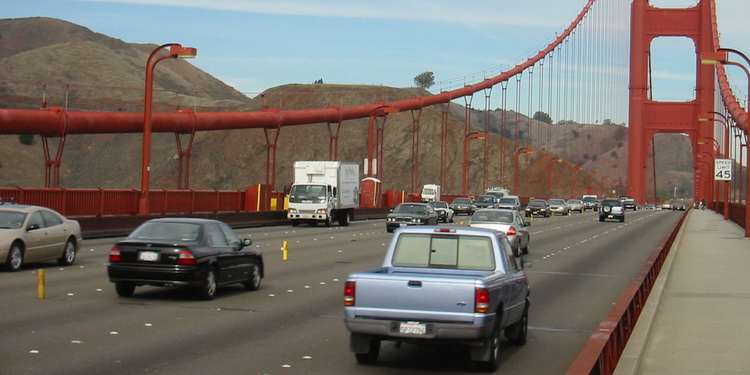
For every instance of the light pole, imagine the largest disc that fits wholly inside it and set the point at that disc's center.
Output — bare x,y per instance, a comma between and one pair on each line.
549,175
589,179
465,178
175,51
519,152
724,121
572,174
711,183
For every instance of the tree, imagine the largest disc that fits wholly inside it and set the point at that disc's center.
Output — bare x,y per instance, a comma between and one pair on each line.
425,80
542,117
318,82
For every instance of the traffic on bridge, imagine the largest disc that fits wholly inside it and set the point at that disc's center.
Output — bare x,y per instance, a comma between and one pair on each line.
559,200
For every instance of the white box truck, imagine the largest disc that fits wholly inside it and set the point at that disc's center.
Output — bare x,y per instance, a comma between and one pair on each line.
430,193
324,191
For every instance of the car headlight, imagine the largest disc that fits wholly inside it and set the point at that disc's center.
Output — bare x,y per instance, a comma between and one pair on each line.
321,211
292,210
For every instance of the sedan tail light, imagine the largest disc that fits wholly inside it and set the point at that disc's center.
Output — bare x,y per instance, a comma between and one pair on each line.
481,300
350,289
511,231
186,257
114,255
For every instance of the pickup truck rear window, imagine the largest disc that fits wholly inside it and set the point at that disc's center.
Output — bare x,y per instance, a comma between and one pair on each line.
444,251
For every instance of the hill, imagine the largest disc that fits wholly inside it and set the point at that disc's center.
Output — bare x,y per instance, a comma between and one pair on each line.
50,62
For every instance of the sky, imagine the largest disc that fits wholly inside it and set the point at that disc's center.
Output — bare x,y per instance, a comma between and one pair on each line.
253,45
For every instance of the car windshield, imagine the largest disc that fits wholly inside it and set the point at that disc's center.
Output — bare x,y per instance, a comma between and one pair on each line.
438,204
556,201
410,209
11,219
536,203
507,201
441,251
180,232
574,201
462,201
485,199
492,217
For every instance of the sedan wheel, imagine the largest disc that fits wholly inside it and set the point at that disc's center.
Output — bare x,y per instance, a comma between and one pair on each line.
69,254
208,290
15,258
254,282
124,288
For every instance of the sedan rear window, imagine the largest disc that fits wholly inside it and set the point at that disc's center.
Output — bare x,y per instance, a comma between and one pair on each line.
440,251
181,232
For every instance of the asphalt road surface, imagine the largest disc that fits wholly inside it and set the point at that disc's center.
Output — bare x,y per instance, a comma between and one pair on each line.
294,323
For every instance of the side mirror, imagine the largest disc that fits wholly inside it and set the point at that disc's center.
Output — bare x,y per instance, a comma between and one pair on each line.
527,223
526,261
247,241
32,227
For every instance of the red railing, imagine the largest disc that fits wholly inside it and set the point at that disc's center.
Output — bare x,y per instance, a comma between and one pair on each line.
604,348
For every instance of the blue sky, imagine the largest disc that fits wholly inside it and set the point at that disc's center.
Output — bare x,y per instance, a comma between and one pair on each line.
253,45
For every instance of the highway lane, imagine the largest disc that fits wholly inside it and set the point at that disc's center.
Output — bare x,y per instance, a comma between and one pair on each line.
293,324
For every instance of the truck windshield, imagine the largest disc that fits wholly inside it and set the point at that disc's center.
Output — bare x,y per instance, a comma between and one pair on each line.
307,194
441,251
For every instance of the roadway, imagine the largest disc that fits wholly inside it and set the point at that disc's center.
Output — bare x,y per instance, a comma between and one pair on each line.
293,324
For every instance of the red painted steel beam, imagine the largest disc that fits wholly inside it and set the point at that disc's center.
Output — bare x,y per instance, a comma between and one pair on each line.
50,122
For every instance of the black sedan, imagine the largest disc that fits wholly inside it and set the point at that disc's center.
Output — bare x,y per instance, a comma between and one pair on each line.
411,214
198,253
537,207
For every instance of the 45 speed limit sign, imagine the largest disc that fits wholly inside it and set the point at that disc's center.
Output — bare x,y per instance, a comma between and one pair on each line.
723,169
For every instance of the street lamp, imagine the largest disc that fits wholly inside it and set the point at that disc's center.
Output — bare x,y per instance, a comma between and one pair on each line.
724,121
722,57
519,152
711,182
549,175
465,179
589,179
175,51
572,175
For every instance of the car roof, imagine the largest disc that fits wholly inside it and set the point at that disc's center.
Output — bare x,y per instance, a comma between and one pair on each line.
19,207
448,230
192,220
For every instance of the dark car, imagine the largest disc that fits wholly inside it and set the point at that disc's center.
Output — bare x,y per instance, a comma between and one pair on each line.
461,206
612,208
537,207
411,214
198,253
445,214
590,203
485,201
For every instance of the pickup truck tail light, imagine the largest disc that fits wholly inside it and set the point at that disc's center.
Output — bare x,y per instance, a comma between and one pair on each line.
350,289
481,300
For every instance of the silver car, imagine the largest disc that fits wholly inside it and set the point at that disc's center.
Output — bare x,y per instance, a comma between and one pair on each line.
575,205
35,234
558,206
509,222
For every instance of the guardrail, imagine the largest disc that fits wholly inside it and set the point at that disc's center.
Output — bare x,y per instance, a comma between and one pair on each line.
606,344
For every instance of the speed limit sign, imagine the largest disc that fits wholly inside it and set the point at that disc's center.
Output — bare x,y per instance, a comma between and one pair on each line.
723,170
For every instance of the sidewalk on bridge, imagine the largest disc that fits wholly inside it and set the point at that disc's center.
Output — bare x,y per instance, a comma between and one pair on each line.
697,317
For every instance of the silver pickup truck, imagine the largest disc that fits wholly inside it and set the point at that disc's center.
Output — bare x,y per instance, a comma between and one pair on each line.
450,285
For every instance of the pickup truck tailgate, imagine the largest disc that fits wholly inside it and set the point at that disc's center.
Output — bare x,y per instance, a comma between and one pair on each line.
419,296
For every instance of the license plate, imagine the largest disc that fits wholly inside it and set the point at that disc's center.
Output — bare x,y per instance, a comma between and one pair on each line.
413,328
402,224
148,256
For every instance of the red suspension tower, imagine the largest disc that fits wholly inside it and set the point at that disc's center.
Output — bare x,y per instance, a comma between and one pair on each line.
648,117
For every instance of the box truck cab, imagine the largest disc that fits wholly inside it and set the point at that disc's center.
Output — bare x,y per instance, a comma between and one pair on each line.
323,191
430,193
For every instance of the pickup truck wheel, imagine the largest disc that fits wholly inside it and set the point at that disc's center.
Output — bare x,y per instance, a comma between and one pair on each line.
517,333
372,354
494,348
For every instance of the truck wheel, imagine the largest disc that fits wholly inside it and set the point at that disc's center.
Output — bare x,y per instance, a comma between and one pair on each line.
494,348
345,218
372,353
517,332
